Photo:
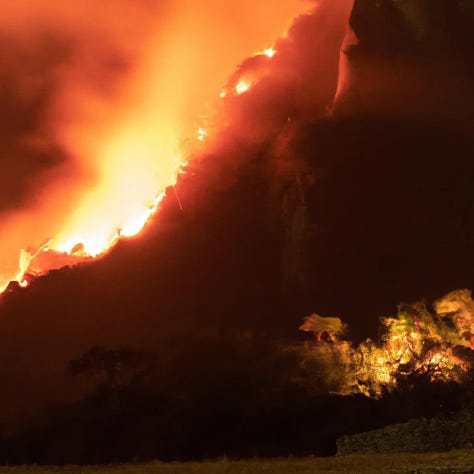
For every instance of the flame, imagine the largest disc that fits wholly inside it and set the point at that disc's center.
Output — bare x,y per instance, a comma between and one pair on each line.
269,52
415,342
202,134
125,137
252,77
241,87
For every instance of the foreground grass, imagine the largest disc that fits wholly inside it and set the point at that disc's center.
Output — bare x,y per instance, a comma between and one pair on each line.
460,461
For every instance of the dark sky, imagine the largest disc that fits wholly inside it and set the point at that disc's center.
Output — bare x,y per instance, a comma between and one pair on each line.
301,204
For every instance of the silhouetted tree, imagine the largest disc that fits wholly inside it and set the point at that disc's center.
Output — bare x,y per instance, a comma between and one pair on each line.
110,367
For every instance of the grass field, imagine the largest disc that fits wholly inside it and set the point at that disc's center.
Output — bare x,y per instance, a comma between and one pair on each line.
461,461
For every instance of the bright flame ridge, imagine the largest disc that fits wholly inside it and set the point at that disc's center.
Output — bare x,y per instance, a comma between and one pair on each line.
125,144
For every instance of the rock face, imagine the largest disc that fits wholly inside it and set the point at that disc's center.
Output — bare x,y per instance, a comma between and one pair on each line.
410,59
418,435
413,26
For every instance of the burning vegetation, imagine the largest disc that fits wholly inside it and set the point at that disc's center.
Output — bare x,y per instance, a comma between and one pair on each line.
438,343
102,112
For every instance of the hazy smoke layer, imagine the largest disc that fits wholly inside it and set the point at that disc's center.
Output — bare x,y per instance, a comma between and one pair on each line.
97,101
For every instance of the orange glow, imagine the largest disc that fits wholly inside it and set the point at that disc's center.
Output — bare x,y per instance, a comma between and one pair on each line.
241,87
269,52
123,133
415,342
250,77
202,134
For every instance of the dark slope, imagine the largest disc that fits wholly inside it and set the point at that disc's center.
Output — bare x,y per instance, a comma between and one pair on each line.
360,210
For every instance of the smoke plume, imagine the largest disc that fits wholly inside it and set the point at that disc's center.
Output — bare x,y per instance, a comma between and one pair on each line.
97,103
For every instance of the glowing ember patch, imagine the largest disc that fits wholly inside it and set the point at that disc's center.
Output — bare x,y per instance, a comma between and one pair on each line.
93,246
415,342
202,134
242,87
223,94
134,227
269,52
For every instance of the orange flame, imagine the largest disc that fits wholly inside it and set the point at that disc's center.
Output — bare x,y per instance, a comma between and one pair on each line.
124,137
242,86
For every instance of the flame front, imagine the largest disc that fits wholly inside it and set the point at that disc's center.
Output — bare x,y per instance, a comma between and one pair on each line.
124,137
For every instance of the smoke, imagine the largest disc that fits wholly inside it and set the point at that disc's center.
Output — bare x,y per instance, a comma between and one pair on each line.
365,155
97,102
409,60
270,95
299,81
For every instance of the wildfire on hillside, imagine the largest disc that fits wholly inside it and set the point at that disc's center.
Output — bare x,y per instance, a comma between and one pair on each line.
127,87
438,344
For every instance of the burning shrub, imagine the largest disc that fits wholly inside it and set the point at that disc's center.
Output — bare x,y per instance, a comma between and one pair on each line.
438,344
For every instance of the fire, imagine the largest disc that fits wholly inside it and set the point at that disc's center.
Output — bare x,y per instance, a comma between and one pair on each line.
123,133
269,52
202,134
241,87
254,73
438,344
